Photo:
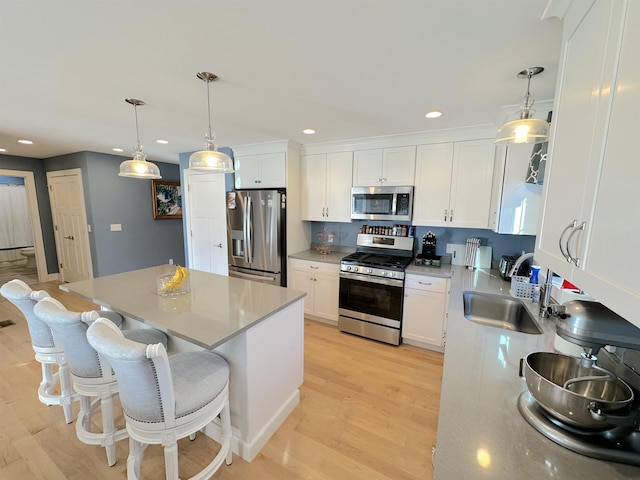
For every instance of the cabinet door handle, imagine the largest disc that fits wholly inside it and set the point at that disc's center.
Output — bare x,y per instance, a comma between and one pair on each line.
573,259
445,214
327,212
451,216
70,237
568,227
219,245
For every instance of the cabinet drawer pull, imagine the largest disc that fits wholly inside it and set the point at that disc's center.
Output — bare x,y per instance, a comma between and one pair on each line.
568,227
573,259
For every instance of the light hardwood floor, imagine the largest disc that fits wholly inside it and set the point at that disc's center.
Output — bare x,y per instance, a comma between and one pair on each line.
367,411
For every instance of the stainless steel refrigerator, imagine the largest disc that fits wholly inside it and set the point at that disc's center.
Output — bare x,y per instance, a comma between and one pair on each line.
256,226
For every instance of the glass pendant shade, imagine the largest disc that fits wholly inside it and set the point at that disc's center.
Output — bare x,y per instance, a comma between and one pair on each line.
523,130
210,159
138,167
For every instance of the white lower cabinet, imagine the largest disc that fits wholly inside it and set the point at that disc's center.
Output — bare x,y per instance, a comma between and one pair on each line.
425,311
321,282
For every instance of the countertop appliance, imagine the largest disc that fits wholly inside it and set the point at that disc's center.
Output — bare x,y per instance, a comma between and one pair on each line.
609,434
507,262
372,287
381,203
256,227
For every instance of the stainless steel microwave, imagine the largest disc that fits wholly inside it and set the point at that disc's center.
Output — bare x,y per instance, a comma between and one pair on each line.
381,203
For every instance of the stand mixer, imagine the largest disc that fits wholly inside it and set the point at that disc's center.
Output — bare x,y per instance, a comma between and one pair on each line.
616,342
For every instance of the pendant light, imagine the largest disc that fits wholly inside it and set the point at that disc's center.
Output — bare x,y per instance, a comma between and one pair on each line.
525,129
138,167
210,159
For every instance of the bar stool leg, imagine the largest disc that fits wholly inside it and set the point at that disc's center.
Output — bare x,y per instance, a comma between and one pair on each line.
171,460
136,452
225,423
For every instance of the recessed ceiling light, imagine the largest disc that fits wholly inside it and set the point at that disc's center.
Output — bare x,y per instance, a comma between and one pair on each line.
3,149
433,114
25,142
116,149
309,131
163,142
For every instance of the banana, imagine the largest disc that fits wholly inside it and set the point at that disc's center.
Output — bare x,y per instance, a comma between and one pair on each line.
177,281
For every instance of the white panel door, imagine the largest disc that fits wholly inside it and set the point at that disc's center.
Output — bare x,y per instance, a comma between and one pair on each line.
70,224
314,181
206,222
338,180
582,99
399,166
273,170
367,168
471,182
614,226
433,185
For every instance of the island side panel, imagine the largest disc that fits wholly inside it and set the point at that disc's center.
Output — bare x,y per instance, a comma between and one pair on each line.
267,368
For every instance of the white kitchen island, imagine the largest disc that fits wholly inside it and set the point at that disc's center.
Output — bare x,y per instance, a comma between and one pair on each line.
257,328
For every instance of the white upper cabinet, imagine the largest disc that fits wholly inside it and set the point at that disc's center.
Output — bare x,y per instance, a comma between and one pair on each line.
326,187
260,171
384,167
453,184
591,200
516,206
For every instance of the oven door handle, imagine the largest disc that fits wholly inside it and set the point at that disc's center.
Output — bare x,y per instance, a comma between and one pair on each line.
370,279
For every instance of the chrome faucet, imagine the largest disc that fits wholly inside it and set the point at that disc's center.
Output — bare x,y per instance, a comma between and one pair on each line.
518,262
545,289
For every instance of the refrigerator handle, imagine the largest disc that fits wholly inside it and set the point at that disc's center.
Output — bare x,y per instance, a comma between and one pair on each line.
248,240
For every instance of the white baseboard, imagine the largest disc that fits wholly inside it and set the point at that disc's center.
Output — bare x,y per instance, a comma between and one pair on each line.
248,450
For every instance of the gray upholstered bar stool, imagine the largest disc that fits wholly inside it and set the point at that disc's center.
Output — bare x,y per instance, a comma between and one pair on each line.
92,378
166,398
49,353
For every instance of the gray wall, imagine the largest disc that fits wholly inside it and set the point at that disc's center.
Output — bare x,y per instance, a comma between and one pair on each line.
346,233
9,162
110,199
143,241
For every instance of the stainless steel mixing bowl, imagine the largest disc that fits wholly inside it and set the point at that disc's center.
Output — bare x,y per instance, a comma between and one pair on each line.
583,404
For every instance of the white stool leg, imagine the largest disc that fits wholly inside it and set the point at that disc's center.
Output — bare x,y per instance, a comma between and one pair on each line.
225,423
108,428
84,416
48,380
136,452
171,461
66,391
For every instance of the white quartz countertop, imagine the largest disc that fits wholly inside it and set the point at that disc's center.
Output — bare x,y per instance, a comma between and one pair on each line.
215,309
481,433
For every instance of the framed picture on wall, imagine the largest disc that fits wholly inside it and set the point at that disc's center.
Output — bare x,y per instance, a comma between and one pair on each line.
167,199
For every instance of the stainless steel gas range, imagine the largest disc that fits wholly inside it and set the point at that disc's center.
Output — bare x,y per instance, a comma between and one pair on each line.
372,287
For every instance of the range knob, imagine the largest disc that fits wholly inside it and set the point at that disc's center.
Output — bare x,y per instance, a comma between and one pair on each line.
393,274
385,273
369,270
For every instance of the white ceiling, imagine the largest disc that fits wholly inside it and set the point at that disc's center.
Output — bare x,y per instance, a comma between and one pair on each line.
347,68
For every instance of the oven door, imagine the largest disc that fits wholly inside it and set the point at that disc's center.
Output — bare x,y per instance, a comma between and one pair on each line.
372,299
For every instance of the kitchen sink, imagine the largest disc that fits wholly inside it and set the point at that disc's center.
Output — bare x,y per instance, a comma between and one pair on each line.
500,311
